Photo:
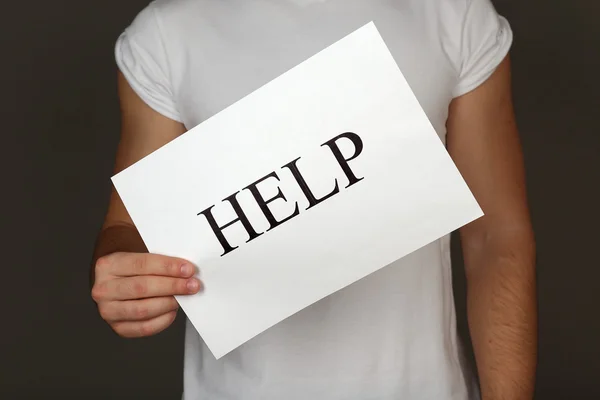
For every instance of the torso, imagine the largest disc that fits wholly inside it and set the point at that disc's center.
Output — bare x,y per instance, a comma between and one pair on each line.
390,335
244,44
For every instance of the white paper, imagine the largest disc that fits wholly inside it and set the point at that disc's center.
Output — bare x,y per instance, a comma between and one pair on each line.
411,193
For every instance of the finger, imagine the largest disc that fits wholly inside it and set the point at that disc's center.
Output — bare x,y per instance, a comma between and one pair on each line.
137,310
134,264
149,327
141,287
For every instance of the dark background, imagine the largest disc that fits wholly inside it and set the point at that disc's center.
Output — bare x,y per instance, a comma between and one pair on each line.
60,119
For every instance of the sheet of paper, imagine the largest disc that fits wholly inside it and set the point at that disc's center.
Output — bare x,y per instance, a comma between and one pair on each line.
357,173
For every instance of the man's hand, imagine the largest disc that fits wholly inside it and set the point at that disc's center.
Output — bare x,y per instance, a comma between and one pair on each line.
134,291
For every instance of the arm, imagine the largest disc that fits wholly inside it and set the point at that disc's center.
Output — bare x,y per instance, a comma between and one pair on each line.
499,248
143,131
133,289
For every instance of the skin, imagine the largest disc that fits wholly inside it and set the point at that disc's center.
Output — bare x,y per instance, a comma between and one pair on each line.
134,289
499,248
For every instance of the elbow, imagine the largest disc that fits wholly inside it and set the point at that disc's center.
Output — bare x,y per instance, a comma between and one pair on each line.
507,246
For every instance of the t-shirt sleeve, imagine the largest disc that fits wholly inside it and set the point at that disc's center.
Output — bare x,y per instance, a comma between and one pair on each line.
142,58
486,38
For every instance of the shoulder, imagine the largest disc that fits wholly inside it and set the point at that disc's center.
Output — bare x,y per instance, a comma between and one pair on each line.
461,20
146,51
162,16
455,10
168,28
475,37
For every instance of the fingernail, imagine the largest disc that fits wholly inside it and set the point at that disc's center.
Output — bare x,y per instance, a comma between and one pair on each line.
193,285
186,269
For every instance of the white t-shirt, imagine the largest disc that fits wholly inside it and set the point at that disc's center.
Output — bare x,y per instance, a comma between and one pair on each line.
391,335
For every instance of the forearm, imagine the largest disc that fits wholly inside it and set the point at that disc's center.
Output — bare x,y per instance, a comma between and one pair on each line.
502,314
116,238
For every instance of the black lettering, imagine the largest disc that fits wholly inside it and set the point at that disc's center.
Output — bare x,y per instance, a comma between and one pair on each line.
241,217
263,204
358,147
312,200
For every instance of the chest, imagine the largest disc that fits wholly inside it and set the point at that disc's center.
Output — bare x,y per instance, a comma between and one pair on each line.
237,46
